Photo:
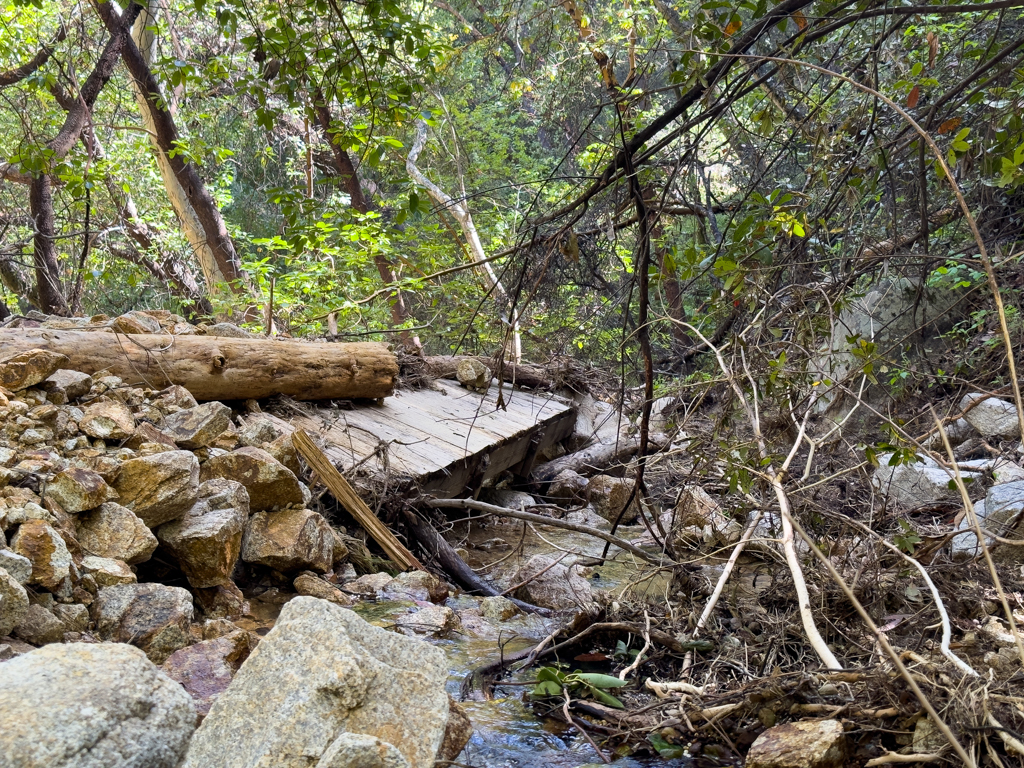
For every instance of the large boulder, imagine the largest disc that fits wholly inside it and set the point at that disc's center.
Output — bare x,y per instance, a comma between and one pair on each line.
27,369
609,496
916,483
39,626
991,417
320,675
805,744
198,427
1000,513
91,706
77,489
13,602
153,617
271,485
45,549
206,669
551,584
116,532
208,539
289,540
161,487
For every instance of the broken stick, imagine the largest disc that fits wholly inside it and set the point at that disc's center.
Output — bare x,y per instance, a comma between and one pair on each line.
356,507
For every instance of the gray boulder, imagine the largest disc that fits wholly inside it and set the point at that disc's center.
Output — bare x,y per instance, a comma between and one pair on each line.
322,672
198,427
91,706
1000,513
918,483
554,585
153,617
992,417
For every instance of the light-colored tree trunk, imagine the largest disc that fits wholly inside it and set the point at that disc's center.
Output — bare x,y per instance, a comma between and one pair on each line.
460,210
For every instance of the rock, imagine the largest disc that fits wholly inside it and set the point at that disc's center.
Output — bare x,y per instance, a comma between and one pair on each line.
73,384
587,516
457,734
135,322
208,539
805,744
509,499
173,398
309,584
473,375
152,617
356,750
73,616
228,330
222,601
270,484
369,585
289,540
146,433
609,496
13,602
107,572
417,585
436,620
77,489
1000,513
27,369
206,669
915,484
161,487
340,549
198,427
957,432
91,706
39,627
108,420
1003,470
343,676
553,585
46,550
17,566
992,417
116,532
498,609
568,487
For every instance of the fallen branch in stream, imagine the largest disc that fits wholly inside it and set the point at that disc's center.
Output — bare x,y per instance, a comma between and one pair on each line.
481,506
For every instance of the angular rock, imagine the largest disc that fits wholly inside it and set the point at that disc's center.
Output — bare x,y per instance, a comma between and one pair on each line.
152,617
370,584
309,584
27,369
343,676
135,322
805,744
1001,513
198,427
161,487
147,433
108,420
473,375
173,398
115,532
74,384
289,540
417,585
609,496
77,489
46,550
350,750
206,669
73,616
436,620
228,330
208,539
915,484
498,608
39,627
17,566
91,706
992,417
107,572
222,601
553,585
340,552
509,499
457,734
568,487
270,484
13,603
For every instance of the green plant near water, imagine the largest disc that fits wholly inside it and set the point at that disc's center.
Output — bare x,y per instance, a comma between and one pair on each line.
552,681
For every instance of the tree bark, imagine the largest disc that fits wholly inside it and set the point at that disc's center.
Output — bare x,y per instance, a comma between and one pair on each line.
194,205
219,368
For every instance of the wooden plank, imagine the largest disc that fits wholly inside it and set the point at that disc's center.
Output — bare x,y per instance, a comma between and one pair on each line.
356,507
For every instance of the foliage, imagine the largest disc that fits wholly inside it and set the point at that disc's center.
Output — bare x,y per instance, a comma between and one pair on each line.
552,681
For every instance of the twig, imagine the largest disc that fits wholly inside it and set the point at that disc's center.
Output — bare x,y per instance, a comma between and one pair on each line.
640,656
481,506
890,758
568,718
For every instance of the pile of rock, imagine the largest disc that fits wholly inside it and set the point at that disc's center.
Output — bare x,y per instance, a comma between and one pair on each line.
139,321
135,516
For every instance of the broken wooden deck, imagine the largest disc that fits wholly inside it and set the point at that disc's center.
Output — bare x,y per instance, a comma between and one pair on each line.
447,440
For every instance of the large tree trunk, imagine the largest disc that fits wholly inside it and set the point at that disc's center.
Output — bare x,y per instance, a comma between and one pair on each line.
219,368
195,207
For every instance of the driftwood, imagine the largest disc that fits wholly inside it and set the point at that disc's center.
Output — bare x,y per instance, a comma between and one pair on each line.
435,545
219,368
349,499
588,461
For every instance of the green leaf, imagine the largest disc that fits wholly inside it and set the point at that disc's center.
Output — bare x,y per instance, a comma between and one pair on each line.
663,748
547,688
606,698
599,680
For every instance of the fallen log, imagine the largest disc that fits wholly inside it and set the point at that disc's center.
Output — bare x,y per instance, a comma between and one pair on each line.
591,460
435,545
221,368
